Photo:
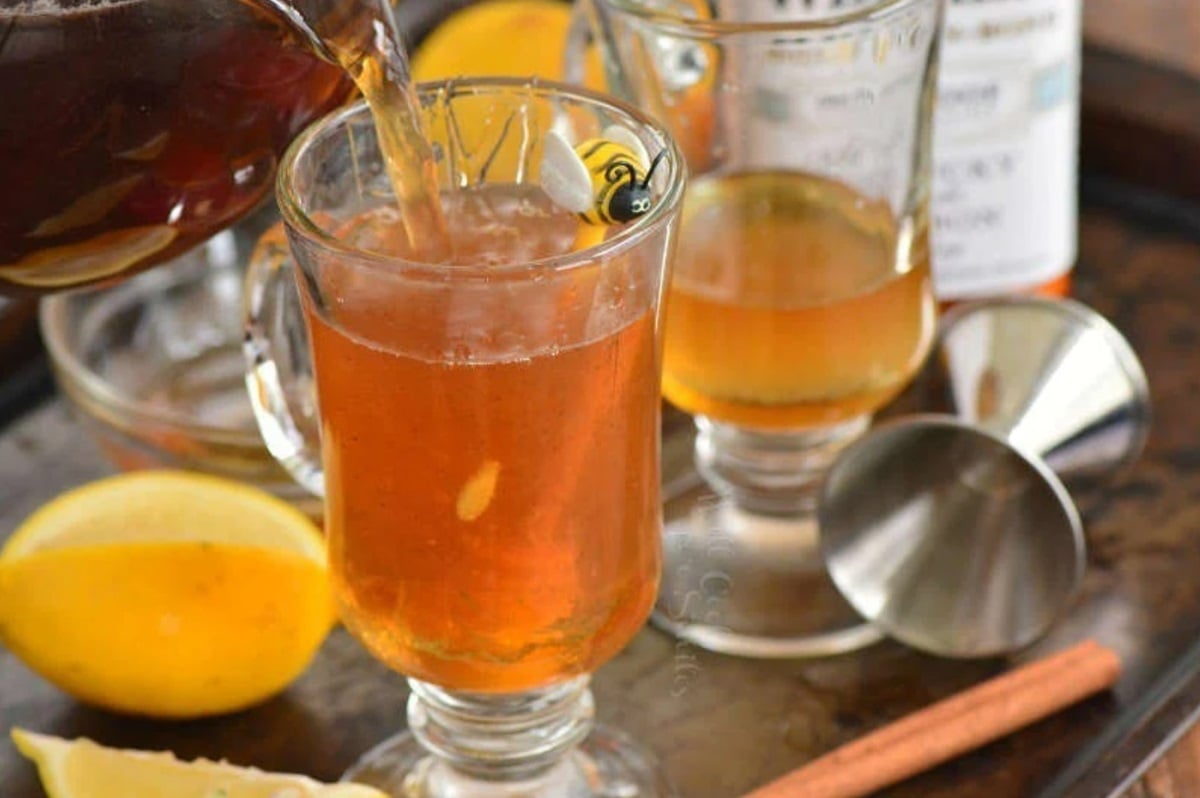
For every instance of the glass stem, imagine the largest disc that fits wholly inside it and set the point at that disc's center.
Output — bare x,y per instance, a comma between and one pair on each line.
773,472
518,738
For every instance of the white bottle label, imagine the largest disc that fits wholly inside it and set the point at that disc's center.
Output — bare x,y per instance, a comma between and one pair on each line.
1006,146
1005,136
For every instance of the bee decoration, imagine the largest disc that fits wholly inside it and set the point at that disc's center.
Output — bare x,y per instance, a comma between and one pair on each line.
605,180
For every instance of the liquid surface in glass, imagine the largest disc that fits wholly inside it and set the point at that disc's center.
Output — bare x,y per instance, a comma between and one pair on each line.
493,504
796,302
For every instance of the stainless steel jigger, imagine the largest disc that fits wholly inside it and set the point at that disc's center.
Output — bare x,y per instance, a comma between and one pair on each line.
955,534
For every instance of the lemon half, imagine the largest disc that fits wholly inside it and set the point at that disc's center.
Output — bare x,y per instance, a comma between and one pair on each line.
166,594
497,37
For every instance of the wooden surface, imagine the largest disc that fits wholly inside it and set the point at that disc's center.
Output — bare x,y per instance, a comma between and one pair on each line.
737,723
1163,32
23,371
1141,93
1141,123
1177,775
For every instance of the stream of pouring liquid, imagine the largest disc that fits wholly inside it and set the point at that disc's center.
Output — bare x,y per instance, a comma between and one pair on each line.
361,37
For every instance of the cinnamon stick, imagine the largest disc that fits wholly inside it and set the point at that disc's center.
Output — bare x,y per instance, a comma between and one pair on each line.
953,726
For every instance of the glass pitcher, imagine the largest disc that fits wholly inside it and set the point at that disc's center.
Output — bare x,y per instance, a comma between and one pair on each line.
134,130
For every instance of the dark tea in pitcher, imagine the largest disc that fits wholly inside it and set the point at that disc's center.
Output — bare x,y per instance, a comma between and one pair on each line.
132,130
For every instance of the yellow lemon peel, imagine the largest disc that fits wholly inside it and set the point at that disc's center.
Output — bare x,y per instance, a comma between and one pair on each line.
81,768
221,589
477,492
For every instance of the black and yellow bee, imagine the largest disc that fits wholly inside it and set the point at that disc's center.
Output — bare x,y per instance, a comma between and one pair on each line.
605,180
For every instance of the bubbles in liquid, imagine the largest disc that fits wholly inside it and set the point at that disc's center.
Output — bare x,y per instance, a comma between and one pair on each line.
498,225
379,231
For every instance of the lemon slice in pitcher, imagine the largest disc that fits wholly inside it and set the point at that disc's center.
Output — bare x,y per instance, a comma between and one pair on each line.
88,261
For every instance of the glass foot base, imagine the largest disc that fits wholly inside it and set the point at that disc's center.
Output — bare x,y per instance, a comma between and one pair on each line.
752,585
607,764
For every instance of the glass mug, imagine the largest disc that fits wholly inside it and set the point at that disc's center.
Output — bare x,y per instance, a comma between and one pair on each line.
801,298
489,432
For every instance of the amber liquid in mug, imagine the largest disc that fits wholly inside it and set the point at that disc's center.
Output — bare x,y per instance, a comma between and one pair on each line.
493,515
790,306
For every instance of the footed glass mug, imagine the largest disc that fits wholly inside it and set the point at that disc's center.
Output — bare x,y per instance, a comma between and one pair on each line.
801,299
489,432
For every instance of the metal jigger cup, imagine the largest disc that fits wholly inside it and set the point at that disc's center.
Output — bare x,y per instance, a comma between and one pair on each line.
956,534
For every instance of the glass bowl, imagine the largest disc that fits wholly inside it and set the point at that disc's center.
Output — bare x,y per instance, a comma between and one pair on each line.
154,367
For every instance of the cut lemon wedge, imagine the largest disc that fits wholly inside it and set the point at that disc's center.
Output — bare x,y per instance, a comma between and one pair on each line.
83,769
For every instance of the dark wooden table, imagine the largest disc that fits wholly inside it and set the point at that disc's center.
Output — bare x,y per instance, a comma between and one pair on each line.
1163,32
1142,122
